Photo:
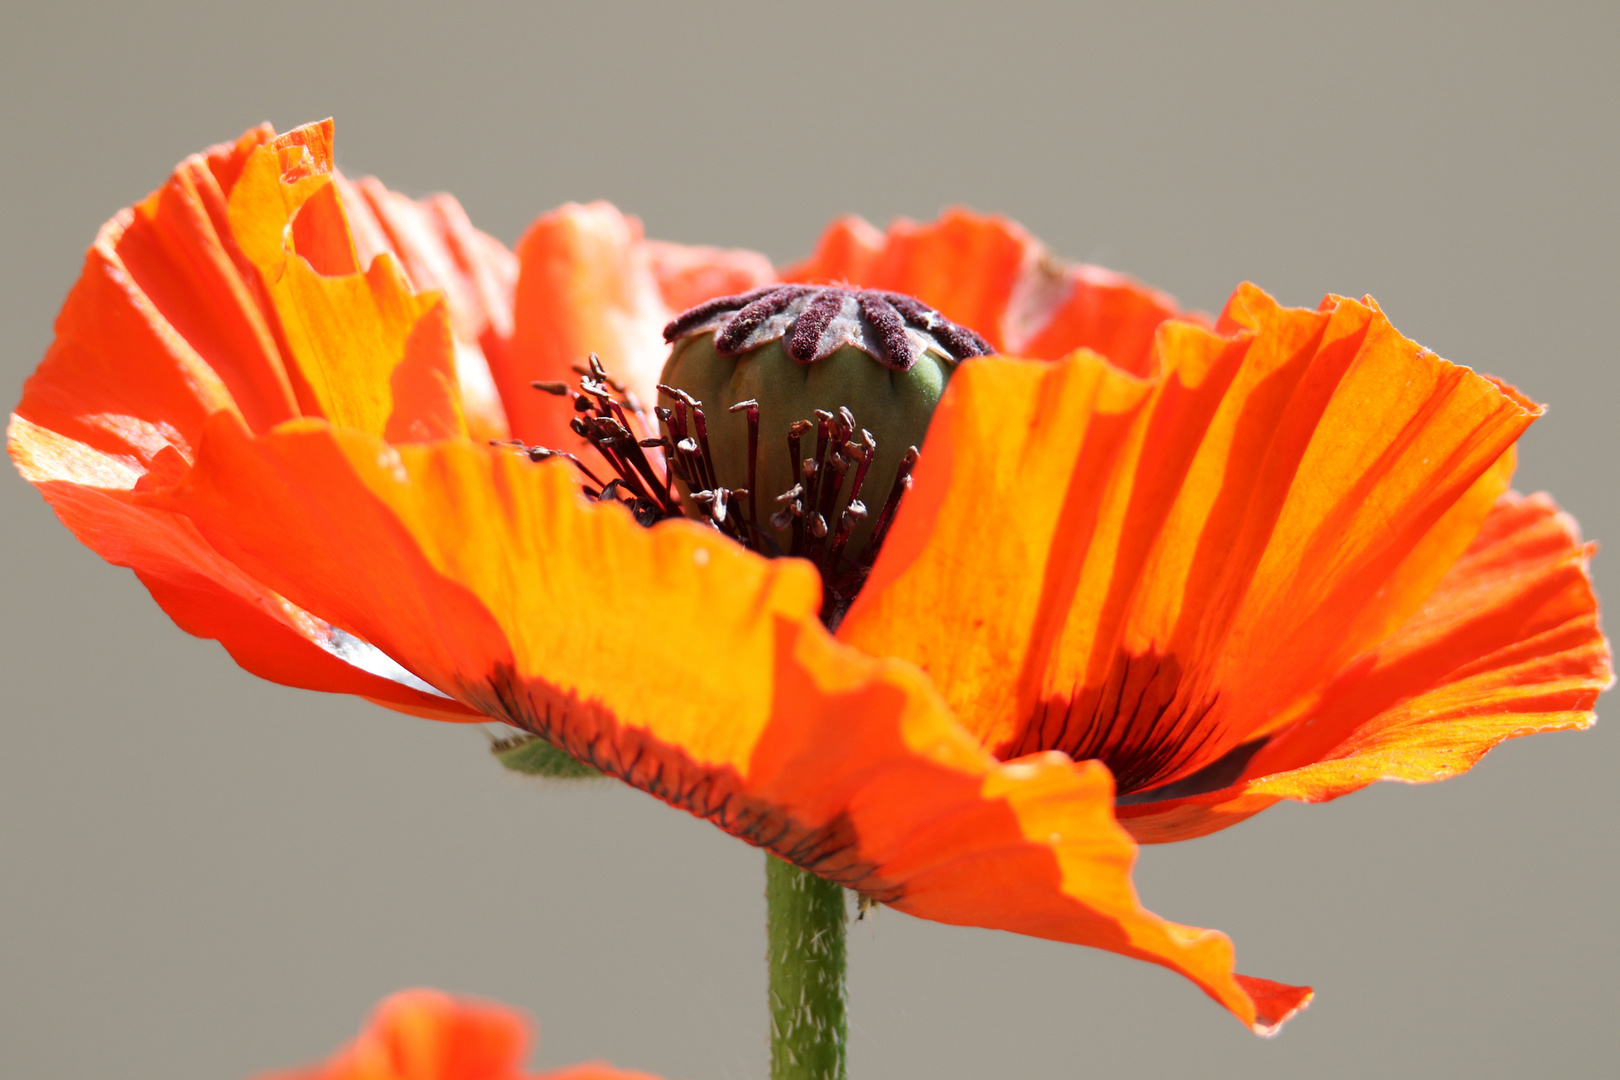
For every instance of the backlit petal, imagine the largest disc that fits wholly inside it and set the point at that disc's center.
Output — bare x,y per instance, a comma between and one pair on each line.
586,285
988,274
439,250
345,327
1165,593
169,323
204,593
688,275
690,668
1508,645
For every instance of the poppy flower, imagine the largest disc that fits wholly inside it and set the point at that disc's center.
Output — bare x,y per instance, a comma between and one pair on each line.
427,1035
1155,571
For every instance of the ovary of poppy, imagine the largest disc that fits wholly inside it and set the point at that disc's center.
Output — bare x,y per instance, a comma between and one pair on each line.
1156,573
428,1035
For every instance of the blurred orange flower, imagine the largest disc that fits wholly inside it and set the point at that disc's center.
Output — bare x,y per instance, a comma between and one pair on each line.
426,1035
1153,577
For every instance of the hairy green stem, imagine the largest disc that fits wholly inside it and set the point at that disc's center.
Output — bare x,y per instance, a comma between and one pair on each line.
804,922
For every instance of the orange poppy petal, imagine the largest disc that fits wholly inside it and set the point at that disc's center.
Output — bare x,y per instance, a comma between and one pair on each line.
177,251
439,250
688,275
1179,567
1508,645
875,785
1073,306
585,285
167,325
987,273
346,328
428,1035
117,377
688,667
200,590
964,265
848,250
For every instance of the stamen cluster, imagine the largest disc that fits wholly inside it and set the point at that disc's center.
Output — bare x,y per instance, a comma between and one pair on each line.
817,513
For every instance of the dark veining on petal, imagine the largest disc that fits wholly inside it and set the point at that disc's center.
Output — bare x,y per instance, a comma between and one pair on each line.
714,794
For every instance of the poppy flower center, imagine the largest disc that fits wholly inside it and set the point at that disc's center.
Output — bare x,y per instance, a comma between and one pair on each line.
789,419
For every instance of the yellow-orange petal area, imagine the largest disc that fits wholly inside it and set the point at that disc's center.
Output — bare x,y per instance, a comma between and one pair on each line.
347,328
439,250
1152,573
1509,644
428,1035
690,668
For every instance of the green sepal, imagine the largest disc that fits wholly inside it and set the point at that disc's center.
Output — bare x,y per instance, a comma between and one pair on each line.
534,756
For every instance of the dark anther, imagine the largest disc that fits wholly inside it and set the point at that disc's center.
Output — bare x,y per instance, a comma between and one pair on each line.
853,514
706,459
641,483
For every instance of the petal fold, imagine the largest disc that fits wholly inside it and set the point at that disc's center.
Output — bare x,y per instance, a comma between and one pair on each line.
439,250
346,328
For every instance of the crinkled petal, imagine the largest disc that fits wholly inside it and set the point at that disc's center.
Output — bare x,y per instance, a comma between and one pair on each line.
439,249
1509,644
346,328
171,322
690,668
988,274
1178,566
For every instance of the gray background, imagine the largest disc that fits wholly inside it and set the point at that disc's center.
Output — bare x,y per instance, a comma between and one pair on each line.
204,875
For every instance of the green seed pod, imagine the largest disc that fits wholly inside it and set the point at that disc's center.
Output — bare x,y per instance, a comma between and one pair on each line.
846,379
